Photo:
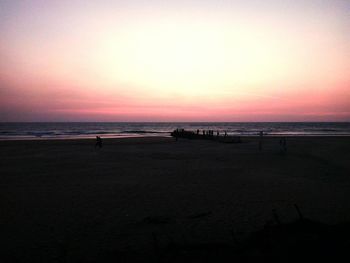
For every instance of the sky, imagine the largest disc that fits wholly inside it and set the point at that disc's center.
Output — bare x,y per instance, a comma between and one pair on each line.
105,60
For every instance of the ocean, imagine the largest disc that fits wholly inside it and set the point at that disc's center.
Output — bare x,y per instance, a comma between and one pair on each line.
81,130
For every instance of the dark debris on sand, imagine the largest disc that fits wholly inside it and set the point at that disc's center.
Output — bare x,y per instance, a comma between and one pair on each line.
303,240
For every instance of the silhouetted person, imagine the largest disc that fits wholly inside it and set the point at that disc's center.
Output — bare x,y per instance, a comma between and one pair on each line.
197,131
283,145
217,133
225,133
261,133
98,142
176,134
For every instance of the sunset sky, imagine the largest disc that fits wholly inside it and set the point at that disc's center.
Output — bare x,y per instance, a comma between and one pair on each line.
107,60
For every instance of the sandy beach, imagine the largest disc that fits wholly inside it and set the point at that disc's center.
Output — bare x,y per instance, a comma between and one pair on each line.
65,201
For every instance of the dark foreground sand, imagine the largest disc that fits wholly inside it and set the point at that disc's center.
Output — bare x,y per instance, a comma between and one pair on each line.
64,201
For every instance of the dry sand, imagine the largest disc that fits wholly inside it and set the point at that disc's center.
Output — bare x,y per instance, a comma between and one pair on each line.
64,201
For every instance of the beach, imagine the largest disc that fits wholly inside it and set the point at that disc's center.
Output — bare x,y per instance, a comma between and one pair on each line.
67,201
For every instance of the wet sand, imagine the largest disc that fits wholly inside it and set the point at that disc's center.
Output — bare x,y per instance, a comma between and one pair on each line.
65,201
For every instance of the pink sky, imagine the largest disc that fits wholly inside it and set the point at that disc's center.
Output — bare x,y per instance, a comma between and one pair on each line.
167,61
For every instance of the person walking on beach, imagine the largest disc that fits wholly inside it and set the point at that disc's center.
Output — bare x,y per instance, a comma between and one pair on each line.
283,145
98,142
261,134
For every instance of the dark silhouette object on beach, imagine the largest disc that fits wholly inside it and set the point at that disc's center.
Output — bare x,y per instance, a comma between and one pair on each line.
300,240
98,142
283,145
225,133
261,134
176,134
206,135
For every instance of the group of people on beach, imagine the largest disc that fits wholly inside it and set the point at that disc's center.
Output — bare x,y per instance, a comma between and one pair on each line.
210,133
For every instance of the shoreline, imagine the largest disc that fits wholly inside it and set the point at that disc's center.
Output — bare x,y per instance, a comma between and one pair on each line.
169,136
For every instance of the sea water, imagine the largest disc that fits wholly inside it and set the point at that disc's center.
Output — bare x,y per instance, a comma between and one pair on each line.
76,130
